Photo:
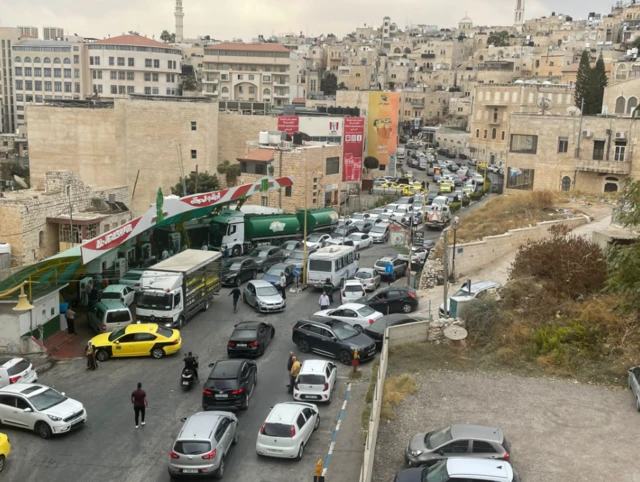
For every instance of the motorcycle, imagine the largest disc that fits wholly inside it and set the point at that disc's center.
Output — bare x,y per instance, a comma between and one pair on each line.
188,377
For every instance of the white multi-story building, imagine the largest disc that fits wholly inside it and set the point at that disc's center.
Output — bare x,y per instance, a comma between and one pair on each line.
9,36
28,31
48,69
133,64
52,33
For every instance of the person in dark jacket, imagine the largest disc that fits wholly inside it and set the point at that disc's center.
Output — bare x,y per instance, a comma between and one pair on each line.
328,289
289,365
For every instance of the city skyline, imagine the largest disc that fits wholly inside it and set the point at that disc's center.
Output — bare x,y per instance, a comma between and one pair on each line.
267,17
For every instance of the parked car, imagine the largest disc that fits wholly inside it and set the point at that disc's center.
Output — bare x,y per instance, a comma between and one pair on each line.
16,370
316,240
340,241
273,274
316,381
363,226
359,216
297,257
352,290
250,338
380,233
138,339
40,408
333,338
132,279
460,469
123,293
458,440
393,299
373,215
238,270
399,267
287,430
203,444
479,289
355,314
361,240
377,328
229,385
5,450
263,297
289,246
344,231
369,278
109,315
266,256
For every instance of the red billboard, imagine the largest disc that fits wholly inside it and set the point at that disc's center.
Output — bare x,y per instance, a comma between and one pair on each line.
289,124
352,144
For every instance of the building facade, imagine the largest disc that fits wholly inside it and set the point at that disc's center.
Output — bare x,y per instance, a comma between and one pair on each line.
28,32
52,33
133,64
8,38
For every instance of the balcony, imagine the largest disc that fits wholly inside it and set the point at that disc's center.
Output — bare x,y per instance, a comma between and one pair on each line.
603,167
428,56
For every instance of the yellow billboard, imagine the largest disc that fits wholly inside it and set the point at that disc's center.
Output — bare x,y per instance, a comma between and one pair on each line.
382,125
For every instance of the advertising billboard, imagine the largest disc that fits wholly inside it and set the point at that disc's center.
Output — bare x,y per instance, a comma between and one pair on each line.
289,124
352,144
382,128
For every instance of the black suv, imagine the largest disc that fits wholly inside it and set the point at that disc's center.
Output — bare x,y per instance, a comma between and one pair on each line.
230,385
238,270
333,338
394,299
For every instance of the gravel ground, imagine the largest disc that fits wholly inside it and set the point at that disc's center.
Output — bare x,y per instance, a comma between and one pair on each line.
560,431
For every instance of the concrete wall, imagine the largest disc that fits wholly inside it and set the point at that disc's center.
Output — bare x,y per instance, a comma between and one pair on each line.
473,256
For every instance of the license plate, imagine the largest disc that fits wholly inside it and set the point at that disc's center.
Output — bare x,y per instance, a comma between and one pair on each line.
185,383
222,395
276,451
311,397
190,471
242,345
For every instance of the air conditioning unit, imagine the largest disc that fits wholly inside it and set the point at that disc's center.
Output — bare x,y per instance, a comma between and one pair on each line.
621,135
587,134
286,144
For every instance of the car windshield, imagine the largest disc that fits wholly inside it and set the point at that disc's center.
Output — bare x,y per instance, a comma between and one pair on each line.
378,229
231,266
377,211
47,399
266,291
259,253
357,216
379,325
116,334
344,331
314,238
167,333
155,300
363,275
111,295
297,255
275,270
339,232
438,438
355,237
19,367
366,311
192,448
436,473
225,383
353,288
308,379
244,335
277,430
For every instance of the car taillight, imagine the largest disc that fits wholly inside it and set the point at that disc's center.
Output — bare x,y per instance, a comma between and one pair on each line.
210,455
371,281
344,293
411,294
175,342
371,320
507,457
326,386
174,455
296,385
231,344
137,284
262,428
294,329
14,379
252,344
104,327
292,430
206,392
237,392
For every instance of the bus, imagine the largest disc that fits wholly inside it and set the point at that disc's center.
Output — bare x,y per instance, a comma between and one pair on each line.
338,263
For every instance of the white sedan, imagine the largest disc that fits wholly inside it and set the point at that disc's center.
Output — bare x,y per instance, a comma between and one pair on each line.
357,315
361,240
369,278
317,240
124,293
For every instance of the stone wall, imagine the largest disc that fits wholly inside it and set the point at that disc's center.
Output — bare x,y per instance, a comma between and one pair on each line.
432,331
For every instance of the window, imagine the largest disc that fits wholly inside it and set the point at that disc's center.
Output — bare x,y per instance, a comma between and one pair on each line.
147,77
57,60
631,104
194,126
20,97
76,59
76,87
47,85
251,77
131,62
112,61
18,70
122,75
503,134
121,61
156,64
477,133
563,145
67,73
484,135
114,89
130,89
130,76
266,92
98,88
147,90
598,150
121,89
57,86
252,90
620,105
194,154
524,144
28,85
457,447
239,76
66,61
480,447
620,151
287,191
27,71
57,73
332,165
148,63
47,72
67,87
155,77
38,85
76,73
27,59
493,133
155,91
114,75
520,178
566,183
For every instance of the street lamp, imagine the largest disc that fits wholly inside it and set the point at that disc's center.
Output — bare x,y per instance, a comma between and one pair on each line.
455,224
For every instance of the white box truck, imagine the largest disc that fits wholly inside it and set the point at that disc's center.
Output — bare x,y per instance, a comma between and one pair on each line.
175,289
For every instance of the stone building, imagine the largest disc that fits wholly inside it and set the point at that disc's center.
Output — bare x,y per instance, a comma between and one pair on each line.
9,36
356,77
621,98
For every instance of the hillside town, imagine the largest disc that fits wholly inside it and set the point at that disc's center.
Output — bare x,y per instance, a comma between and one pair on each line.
432,228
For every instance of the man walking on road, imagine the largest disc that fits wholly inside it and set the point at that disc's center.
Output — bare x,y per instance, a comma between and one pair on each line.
139,400
236,296
290,364
293,373
324,301
283,285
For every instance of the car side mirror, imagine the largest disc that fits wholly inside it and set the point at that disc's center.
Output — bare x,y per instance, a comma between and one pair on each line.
117,342
211,365
26,410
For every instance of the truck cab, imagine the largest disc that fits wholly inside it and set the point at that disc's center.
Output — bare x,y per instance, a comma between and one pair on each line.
227,229
161,298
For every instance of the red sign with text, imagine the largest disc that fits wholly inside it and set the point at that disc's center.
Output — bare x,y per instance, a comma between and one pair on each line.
353,144
289,124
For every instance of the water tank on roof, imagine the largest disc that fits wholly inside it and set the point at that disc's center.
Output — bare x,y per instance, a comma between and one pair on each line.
297,139
263,137
274,139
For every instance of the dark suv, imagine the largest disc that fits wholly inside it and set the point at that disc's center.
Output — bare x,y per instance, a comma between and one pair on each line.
333,338
230,385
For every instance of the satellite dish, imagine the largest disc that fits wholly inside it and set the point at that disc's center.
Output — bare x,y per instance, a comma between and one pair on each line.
573,111
21,182
544,104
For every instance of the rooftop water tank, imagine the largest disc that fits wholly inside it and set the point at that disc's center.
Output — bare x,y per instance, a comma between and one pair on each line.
263,137
274,139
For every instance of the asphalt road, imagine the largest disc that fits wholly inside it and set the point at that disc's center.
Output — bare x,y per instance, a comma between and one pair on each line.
109,448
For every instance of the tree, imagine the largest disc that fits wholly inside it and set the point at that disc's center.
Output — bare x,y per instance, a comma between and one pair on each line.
371,162
636,43
498,39
167,37
10,169
206,183
189,83
230,171
597,83
582,81
329,83
342,86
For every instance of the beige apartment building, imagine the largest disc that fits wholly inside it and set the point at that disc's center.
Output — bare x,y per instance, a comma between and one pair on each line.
48,69
250,72
493,105
28,32
357,77
9,36
52,33
621,98
133,64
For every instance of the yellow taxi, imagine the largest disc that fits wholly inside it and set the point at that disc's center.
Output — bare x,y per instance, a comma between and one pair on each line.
5,449
468,191
446,186
144,339
482,165
412,190
391,185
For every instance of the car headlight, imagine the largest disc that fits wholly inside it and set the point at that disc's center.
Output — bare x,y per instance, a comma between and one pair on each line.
54,418
168,325
415,453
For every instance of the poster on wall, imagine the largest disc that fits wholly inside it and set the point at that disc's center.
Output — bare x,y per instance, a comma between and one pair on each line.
289,124
382,128
352,145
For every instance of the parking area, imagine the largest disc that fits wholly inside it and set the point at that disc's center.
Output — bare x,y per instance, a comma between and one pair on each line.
559,430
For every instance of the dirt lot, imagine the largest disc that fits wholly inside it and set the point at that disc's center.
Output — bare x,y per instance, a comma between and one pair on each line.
560,430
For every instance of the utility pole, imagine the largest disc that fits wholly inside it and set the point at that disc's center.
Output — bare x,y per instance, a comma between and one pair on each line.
409,248
70,214
280,175
445,238
184,184
196,190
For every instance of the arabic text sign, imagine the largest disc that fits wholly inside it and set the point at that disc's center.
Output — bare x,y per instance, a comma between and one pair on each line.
352,142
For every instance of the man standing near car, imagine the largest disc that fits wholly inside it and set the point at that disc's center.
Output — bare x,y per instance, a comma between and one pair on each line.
283,285
293,373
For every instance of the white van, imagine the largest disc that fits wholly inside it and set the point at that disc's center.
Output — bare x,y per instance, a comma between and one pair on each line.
109,315
400,153
338,263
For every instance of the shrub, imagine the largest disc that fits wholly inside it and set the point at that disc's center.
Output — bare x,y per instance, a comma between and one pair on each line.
567,341
483,316
476,196
396,389
466,201
455,206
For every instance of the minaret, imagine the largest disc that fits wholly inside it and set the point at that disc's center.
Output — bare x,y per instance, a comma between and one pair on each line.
179,16
519,17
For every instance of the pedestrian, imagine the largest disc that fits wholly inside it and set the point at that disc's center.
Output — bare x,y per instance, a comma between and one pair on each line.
71,323
324,301
225,252
289,365
164,255
293,373
283,285
90,353
328,289
236,296
139,400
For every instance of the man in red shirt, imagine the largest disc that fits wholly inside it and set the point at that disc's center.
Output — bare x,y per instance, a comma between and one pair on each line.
139,400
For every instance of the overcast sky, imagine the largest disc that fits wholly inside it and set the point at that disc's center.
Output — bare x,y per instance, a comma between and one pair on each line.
225,19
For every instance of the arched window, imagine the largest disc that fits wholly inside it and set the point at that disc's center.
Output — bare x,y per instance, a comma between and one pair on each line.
67,61
407,50
225,90
41,239
27,59
632,103
266,92
620,105
17,59
56,60
397,50
566,183
481,58
47,60
493,133
36,60
610,187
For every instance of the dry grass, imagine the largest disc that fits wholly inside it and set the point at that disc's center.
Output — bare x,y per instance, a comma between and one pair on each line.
396,389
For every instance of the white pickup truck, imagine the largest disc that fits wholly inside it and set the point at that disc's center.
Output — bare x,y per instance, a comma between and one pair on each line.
440,214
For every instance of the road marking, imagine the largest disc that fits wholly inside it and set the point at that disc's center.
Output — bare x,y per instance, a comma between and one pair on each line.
335,431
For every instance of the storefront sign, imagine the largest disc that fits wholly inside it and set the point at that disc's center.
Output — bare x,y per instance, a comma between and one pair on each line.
353,143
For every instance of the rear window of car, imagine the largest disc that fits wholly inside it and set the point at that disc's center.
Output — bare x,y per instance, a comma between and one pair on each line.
244,335
110,295
225,384
277,430
364,275
164,332
19,367
192,448
133,276
311,379
353,288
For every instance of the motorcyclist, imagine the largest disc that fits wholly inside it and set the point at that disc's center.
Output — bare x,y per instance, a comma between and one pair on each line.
191,363
328,289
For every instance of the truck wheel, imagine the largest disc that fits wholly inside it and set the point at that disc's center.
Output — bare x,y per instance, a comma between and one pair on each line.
206,305
181,322
236,251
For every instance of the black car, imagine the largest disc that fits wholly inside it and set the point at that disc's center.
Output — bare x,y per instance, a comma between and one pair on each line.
230,385
393,299
238,270
250,338
364,226
266,256
430,197
273,274
333,338
377,328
